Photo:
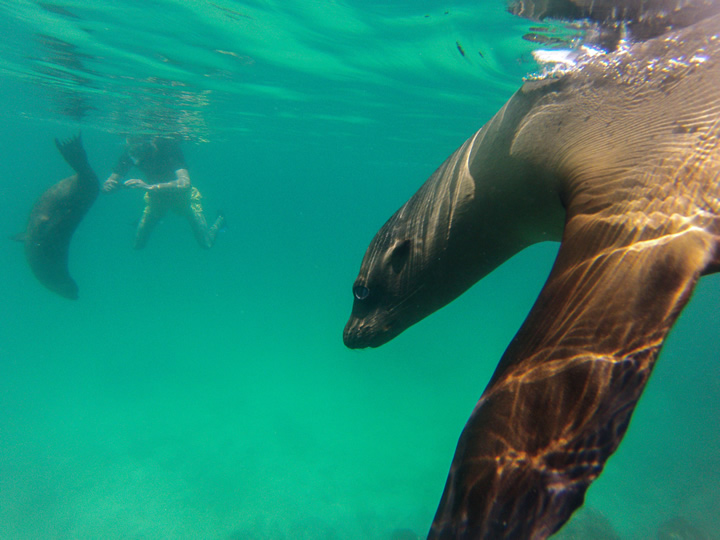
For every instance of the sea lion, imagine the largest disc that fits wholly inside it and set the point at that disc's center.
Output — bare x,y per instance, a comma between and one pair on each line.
54,218
611,20
644,18
619,159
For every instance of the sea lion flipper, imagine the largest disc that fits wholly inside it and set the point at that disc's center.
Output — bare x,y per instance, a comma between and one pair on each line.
74,153
562,396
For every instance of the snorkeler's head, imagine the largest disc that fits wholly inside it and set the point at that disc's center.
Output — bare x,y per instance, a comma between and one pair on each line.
140,147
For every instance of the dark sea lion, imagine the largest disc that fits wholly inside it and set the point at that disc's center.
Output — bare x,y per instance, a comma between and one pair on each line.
645,18
54,218
609,21
619,158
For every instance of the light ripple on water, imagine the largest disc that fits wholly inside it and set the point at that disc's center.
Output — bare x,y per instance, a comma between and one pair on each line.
113,66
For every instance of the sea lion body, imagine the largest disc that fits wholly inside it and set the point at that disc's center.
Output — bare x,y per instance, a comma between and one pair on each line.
55,217
644,19
619,159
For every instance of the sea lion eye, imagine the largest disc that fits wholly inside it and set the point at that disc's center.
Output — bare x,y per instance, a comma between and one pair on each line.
361,292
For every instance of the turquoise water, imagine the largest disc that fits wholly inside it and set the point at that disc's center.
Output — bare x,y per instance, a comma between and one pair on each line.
207,394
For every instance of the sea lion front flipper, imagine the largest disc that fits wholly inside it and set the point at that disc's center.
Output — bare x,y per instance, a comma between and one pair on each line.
561,398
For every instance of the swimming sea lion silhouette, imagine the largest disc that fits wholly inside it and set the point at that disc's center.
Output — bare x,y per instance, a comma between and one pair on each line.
619,158
54,218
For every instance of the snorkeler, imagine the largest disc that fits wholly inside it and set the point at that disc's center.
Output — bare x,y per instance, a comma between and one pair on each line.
167,187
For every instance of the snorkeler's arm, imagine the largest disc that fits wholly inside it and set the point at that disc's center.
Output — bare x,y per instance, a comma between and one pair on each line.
174,158
182,182
112,183
122,167
172,154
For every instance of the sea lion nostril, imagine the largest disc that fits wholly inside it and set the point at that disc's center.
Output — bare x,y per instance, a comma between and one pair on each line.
361,292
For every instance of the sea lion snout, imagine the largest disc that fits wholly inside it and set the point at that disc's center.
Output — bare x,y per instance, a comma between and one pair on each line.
352,335
363,332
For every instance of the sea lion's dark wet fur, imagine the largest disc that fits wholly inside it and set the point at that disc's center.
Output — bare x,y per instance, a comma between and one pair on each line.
54,218
644,19
620,160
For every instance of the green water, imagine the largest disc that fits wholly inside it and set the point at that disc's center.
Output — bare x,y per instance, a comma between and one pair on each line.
207,394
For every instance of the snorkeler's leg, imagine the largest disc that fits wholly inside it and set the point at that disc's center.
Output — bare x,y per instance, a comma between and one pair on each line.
150,217
204,235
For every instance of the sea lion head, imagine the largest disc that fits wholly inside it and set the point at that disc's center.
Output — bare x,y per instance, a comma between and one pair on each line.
473,213
404,277
381,293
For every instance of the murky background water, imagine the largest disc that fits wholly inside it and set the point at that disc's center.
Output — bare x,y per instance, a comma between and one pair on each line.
207,394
